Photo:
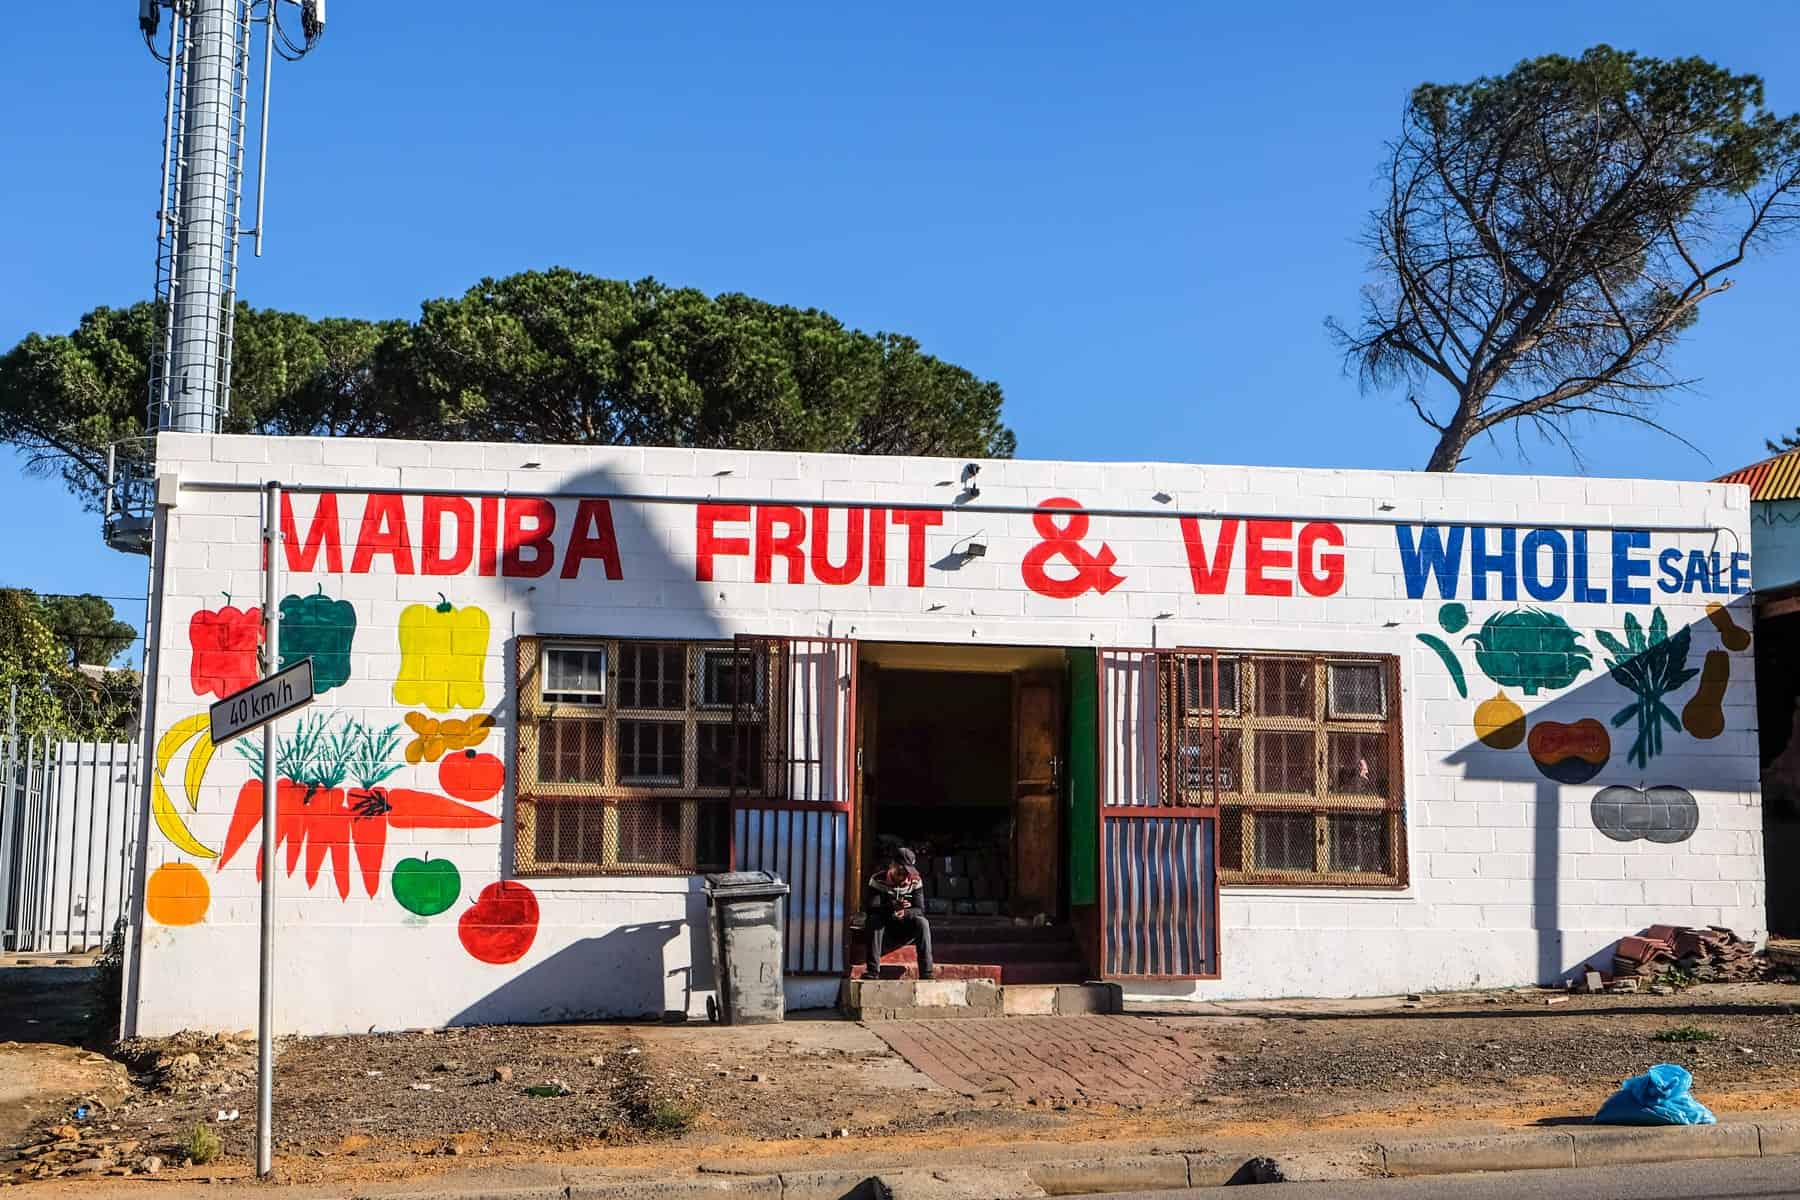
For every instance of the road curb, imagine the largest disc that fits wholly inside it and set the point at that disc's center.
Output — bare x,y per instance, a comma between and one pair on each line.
1575,1146
1500,1152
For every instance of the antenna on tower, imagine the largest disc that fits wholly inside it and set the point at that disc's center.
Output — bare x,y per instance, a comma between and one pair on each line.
206,50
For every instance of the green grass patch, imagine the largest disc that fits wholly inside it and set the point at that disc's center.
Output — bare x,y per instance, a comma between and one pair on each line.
670,1117
202,1145
1685,1033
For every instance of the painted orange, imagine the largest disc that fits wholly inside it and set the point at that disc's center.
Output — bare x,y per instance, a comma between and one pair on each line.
177,894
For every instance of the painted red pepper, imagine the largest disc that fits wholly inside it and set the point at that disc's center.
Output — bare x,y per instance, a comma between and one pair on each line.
224,643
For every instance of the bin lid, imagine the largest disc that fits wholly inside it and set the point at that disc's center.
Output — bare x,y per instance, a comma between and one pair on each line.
745,885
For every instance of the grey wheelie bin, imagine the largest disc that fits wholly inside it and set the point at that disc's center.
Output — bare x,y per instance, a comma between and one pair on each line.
747,947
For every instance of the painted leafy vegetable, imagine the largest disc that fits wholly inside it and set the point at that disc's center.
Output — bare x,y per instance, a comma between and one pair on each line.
1529,648
1650,666
316,814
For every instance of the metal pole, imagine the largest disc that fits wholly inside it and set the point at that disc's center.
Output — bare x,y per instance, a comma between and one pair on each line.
265,1039
262,140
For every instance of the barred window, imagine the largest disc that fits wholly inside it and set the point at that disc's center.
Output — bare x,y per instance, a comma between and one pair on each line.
1301,752
629,752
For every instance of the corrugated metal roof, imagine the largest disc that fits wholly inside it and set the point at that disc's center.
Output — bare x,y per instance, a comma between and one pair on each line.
1775,478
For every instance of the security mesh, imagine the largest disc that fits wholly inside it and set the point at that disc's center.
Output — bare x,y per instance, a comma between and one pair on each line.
628,755
1302,755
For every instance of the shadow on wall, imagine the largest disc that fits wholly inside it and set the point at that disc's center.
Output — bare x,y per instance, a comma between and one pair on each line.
1637,755
628,584
596,978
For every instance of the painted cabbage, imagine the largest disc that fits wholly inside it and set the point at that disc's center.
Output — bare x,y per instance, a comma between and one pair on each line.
1530,649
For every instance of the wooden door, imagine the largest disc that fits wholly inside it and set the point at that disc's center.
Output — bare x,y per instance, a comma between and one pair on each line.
1037,783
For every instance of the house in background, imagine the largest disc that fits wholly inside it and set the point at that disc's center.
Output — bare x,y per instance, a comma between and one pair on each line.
1774,485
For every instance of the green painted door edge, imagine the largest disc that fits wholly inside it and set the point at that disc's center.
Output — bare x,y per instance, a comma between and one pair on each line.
1083,793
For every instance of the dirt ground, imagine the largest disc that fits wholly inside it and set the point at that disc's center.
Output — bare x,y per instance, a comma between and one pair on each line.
388,1106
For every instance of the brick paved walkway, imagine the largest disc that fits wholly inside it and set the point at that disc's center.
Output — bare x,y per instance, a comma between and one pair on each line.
1119,1059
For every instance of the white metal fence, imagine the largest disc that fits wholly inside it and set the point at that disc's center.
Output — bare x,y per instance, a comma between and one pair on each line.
68,816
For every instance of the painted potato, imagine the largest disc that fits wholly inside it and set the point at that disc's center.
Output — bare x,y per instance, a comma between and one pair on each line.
1663,814
1572,753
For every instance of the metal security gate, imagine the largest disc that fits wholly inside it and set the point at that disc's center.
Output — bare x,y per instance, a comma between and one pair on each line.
67,817
1159,814
795,703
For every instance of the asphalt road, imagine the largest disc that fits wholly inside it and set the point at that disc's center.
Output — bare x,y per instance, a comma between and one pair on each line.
1713,1179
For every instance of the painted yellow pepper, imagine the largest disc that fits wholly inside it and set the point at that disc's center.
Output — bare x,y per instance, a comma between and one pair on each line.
443,654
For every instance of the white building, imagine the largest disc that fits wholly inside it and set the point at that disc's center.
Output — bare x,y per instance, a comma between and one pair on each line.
1242,732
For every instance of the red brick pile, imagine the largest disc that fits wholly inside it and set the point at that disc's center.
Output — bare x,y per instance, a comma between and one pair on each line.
1713,954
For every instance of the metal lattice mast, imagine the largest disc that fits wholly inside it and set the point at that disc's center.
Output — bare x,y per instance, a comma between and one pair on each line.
196,261
198,223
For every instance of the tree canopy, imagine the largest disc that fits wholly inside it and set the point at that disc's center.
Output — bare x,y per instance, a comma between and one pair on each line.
1548,234
86,626
42,692
549,356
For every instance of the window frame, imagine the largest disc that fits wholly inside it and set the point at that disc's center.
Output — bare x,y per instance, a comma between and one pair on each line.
613,793
1233,734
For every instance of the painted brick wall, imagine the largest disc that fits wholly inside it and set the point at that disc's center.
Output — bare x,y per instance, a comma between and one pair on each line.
1510,879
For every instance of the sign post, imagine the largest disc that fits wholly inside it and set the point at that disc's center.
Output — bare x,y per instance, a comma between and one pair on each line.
265,1032
260,706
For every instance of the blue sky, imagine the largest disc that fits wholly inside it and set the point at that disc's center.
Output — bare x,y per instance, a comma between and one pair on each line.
1135,218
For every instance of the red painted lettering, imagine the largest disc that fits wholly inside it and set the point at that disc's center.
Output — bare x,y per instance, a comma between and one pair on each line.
383,531
432,558
707,542
1210,576
1321,572
916,520
877,547
593,538
490,535
1260,558
322,533
787,543
516,538
822,567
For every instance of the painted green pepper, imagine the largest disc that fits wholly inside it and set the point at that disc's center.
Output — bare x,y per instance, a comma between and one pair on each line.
319,628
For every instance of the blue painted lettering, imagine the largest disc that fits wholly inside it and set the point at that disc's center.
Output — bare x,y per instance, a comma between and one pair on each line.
1669,562
1698,578
1505,563
1740,572
1545,539
1627,568
1431,559
1585,591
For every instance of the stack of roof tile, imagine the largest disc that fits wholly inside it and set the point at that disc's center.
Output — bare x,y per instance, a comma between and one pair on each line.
1709,953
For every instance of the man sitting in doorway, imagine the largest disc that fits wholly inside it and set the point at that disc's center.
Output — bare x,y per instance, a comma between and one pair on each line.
897,910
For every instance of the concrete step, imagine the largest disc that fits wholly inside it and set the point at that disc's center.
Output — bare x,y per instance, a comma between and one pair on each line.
951,999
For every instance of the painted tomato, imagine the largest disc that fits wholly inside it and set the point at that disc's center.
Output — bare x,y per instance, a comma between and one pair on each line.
501,925
471,776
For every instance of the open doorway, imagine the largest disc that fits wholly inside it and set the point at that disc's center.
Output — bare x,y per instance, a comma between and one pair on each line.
963,760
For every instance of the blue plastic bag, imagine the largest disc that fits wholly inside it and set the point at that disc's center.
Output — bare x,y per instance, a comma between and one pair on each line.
1660,1096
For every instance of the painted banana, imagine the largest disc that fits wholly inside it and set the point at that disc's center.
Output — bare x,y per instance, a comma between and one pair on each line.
169,821
199,758
178,736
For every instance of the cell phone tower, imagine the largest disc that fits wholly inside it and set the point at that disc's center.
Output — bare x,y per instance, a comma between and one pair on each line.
206,45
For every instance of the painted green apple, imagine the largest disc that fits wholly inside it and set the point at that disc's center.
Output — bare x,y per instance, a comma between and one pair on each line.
426,887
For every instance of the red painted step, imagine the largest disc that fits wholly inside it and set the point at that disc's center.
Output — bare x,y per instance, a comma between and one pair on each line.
891,969
904,964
